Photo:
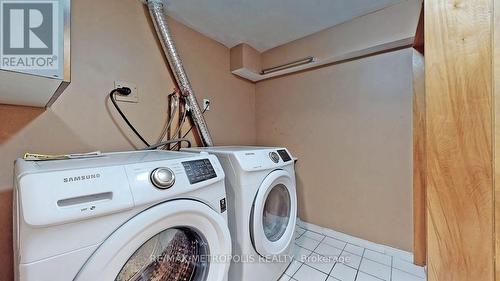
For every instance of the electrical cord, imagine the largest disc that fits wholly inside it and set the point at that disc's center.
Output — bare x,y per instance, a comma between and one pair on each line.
125,91
183,119
190,128
163,143
169,124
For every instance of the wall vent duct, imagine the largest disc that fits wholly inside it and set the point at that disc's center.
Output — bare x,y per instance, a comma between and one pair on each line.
158,14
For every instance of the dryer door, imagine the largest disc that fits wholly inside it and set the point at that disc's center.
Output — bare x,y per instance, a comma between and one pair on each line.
176,240
274,214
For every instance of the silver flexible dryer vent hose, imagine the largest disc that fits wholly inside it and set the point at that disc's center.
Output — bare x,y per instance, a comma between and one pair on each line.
158,14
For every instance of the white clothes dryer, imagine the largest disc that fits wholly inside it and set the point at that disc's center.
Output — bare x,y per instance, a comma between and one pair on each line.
262,209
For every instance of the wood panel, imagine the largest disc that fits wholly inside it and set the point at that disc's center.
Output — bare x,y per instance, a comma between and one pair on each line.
496,97
419,224
458,78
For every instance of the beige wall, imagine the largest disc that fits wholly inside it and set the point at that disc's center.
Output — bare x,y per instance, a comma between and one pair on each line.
114,40
350,126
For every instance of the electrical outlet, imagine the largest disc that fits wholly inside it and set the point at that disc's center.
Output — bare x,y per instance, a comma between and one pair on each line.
134,94
206,104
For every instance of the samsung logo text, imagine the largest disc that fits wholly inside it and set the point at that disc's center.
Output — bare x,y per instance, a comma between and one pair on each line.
82,178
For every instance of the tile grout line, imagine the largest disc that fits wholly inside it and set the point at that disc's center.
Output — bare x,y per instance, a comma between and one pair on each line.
359,268
354,243
303,263
392,262
374,262
329,273
294,244
378,261
325,243
410,273
362,256
312,252
376,277
353,255
325,235
357,245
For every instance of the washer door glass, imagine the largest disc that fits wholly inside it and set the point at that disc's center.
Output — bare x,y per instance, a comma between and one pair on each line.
276,213
171,255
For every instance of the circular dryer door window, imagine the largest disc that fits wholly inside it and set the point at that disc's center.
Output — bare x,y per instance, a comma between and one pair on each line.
274,214
173,254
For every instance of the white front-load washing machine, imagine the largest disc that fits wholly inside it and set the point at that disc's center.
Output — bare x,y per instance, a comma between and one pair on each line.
262,209
149,215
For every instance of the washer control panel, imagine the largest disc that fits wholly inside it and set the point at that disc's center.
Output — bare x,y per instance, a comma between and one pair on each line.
199,170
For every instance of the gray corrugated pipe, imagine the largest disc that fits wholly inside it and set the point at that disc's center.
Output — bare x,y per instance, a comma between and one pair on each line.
158,14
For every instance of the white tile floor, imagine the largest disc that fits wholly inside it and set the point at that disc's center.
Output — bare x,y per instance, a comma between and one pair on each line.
322,254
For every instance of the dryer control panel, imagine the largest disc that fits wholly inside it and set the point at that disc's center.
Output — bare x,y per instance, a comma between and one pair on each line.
284,155
199,170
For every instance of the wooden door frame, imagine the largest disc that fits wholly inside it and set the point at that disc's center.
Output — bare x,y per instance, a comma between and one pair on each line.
419,191
419,177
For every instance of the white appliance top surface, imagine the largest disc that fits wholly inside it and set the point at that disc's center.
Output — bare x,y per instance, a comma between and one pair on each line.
250,158
230,148
107,159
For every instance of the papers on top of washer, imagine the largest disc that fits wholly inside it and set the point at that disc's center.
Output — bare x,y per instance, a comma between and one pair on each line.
47,157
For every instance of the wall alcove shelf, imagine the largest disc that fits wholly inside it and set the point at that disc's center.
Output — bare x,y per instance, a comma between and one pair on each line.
333,45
